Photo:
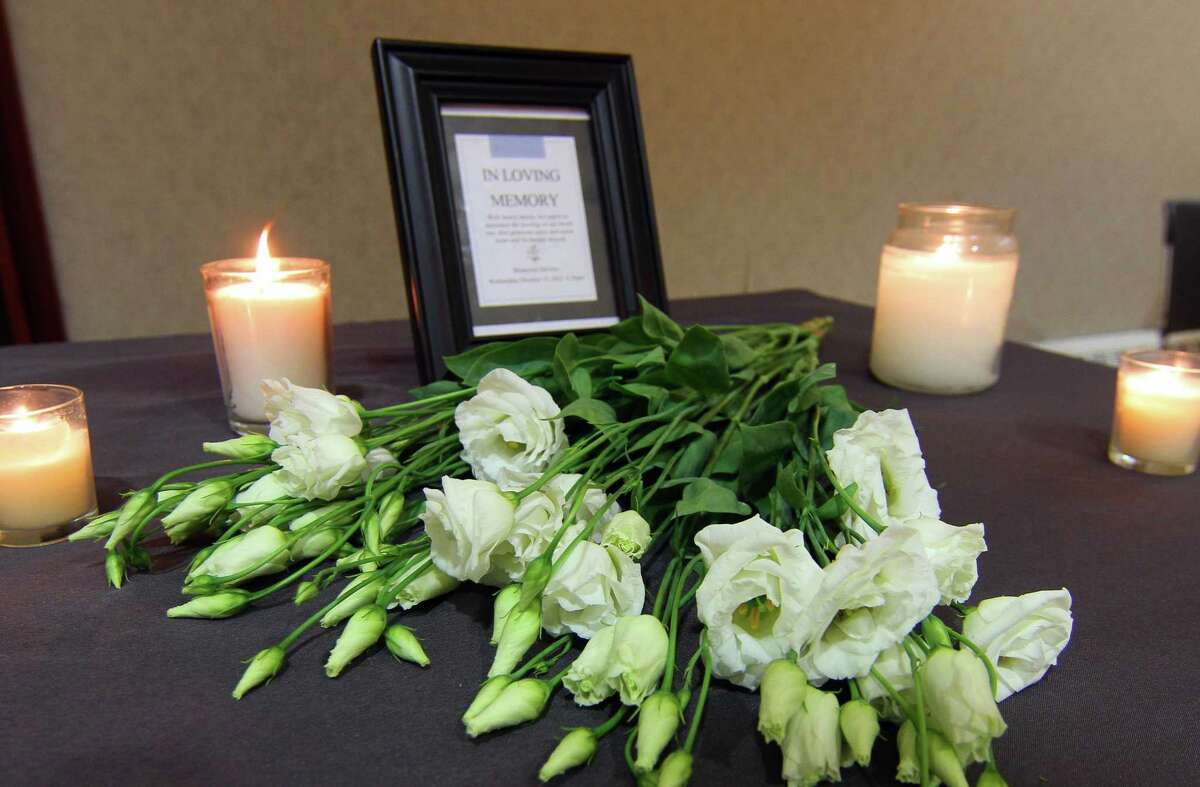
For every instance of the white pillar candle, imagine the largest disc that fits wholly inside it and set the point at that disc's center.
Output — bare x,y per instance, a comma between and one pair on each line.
1156,419
46,479
270,319
940,318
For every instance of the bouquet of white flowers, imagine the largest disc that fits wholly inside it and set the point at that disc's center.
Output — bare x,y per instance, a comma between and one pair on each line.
720,465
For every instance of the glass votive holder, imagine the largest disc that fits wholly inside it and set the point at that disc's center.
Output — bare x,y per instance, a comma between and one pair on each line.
47,489
946,280
1156,418
270,319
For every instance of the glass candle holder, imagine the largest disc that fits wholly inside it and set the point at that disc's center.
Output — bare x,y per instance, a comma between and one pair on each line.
47,489
945,284
1156,418
270,319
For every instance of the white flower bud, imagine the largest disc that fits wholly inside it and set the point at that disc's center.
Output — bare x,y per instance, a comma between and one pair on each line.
812,745
486,695
402,642
431,583
628,532
358,593
782,690
657,721
958,699
264,666
521,629
364,629
944,762
135,509
506,599
201,503
676,770
859,723
519,702
246,448
576,748
262,551
225,604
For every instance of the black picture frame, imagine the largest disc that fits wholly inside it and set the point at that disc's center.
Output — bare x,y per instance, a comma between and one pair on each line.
416,82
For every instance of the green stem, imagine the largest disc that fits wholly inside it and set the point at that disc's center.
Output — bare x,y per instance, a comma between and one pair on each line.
601,730
703,698
922,729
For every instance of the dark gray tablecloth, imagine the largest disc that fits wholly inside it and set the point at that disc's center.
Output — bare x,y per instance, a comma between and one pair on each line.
99,687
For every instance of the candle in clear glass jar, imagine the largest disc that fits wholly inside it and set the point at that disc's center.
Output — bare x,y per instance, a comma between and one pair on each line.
946,280
1156,417
270,319
46,484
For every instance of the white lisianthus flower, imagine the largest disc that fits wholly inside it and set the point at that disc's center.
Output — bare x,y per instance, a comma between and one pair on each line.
466,520
871,597
510,430
954,552
265,545
958,699
628,532
318,468
1022,635
593,587
298,414
628,657
753,598
377,457
538,518
881,455
894,666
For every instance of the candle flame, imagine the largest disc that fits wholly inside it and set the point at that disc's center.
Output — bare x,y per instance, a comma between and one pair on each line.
21,423
265,266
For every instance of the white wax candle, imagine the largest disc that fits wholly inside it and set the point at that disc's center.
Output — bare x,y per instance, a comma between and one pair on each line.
45,474
940,317
1157,415
270,329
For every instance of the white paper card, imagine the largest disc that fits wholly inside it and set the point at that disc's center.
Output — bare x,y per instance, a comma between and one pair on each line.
525,219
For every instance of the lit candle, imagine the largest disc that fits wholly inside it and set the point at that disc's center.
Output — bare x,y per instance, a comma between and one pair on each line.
270,319
46,482
1156,419
945,285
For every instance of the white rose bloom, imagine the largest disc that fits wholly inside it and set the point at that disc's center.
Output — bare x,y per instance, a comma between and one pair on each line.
465,521
593,587
754,596
894,666
958,699
1022,635
871,597
954,552
510,430
319,468
538,517
298,414
880,453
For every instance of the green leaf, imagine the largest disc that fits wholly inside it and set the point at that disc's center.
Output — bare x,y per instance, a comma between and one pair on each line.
705,496
695,455
730,458
581,382
835,507
737,352
763,448
657,326
525,357
594,411
699,362
654,394
788,483
435,389
681,429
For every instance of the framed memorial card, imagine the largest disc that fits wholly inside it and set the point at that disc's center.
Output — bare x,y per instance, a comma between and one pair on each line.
522,198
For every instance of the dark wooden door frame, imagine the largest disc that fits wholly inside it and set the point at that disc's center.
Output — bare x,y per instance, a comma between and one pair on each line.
28,292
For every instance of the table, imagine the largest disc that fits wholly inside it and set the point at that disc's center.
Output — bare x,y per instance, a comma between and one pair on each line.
99,686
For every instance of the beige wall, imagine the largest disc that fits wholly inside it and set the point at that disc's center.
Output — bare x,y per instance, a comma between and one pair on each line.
780,136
